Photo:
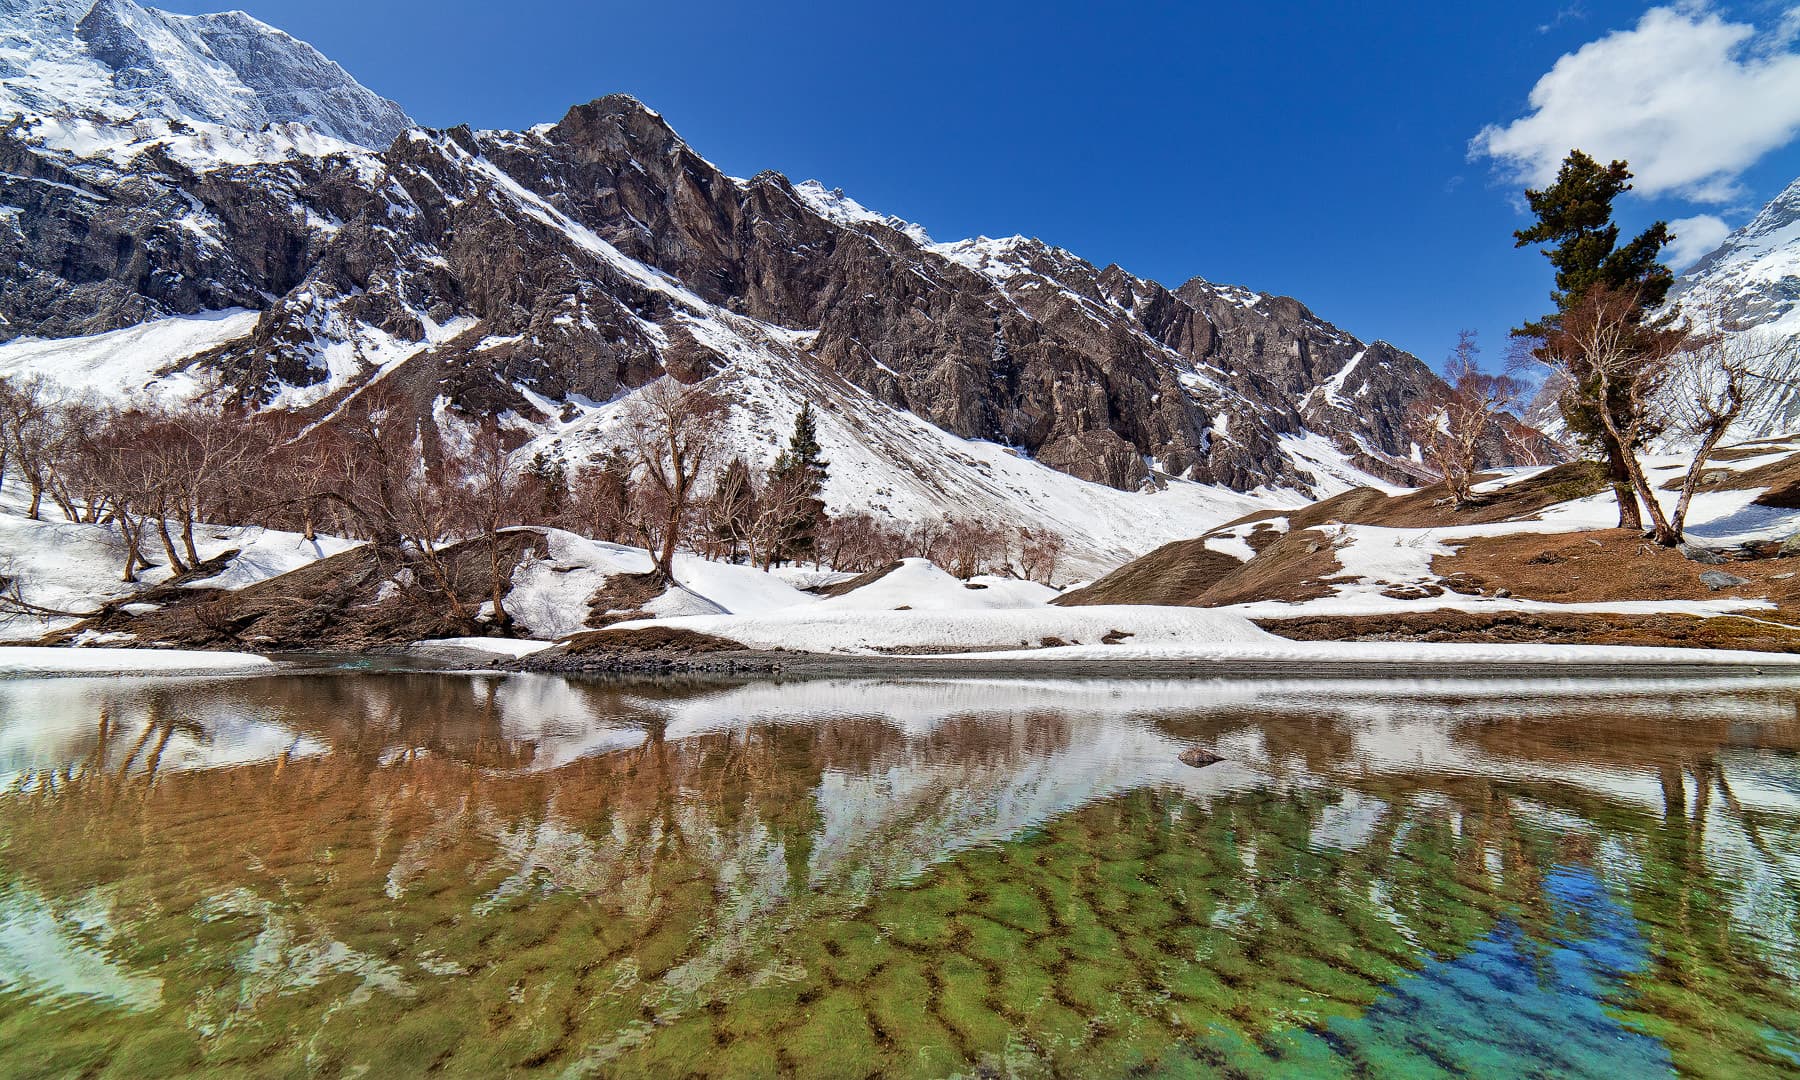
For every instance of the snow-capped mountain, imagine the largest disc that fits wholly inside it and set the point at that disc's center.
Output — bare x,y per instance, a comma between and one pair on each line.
544,275
114,63
1750,284
1753,278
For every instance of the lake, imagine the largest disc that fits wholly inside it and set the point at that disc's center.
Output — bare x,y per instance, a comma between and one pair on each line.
384,874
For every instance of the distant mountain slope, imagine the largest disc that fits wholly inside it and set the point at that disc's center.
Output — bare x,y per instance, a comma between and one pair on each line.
1753,278
544,275
116,62
1750,284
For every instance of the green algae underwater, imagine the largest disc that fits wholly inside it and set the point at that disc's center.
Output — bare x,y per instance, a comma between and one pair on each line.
405,874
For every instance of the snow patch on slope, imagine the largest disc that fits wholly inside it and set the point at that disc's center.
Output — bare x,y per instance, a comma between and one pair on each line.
835,206
137,360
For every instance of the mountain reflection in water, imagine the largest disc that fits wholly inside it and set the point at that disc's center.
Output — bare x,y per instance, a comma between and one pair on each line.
494,874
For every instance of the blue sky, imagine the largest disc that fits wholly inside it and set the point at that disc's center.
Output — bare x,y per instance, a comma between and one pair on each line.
1320,150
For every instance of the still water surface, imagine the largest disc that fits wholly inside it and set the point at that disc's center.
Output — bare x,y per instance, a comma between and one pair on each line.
386,874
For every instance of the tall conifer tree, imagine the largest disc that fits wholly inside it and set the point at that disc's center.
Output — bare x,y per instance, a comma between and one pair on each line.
1579,237
801,470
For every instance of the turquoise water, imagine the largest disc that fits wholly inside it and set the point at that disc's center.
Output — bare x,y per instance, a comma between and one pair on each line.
402,874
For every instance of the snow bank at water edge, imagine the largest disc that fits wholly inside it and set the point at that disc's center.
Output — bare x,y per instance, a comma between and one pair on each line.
449,647
33,661
872,632
1381,653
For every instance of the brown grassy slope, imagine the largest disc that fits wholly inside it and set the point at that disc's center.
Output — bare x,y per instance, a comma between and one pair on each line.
1187,573
1589,567
1598,566
1672,631
1603,565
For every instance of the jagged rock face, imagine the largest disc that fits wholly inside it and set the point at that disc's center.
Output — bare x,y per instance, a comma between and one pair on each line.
117,61
503,270
89,248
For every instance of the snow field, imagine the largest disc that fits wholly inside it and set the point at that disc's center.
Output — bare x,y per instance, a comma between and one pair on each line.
870,631
1279,650
132,361
27,661
72,566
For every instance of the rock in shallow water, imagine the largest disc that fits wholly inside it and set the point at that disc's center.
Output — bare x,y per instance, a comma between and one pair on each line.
1200,758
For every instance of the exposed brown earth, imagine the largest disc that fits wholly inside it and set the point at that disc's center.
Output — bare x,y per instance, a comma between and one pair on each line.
622,598
648,639
1590,567
1176,573
1599,566
335,604
650,649
1781,477
1602,566
1297,566
857,582
1673,631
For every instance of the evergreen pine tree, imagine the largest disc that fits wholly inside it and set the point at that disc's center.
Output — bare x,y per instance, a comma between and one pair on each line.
800,473
550,478
1574,222
732,507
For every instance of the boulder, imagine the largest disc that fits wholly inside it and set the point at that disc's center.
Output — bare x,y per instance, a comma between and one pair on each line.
1700,554
1719,579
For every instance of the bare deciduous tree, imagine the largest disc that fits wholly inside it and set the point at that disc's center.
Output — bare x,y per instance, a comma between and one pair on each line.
1611,357
860,543
493,493
1714,382
600,499
1038,553
31,423
970,547
1449,425
675,431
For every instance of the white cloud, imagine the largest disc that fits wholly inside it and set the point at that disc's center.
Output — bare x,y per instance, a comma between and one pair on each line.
1694,237
1690,100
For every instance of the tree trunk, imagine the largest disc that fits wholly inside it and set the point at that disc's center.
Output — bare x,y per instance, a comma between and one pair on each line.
187,537
132,556
1640,484
501,618
1692,480
168,543
37,498
665,557
1664,533
1618,474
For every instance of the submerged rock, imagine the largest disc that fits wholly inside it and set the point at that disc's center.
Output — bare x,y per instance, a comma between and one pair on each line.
1200,758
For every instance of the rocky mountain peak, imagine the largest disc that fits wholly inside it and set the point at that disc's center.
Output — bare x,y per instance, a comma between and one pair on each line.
118,62
615,127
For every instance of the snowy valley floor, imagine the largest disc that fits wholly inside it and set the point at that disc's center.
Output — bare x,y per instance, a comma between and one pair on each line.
1532,580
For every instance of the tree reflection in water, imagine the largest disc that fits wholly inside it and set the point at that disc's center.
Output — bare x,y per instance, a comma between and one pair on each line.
487,874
